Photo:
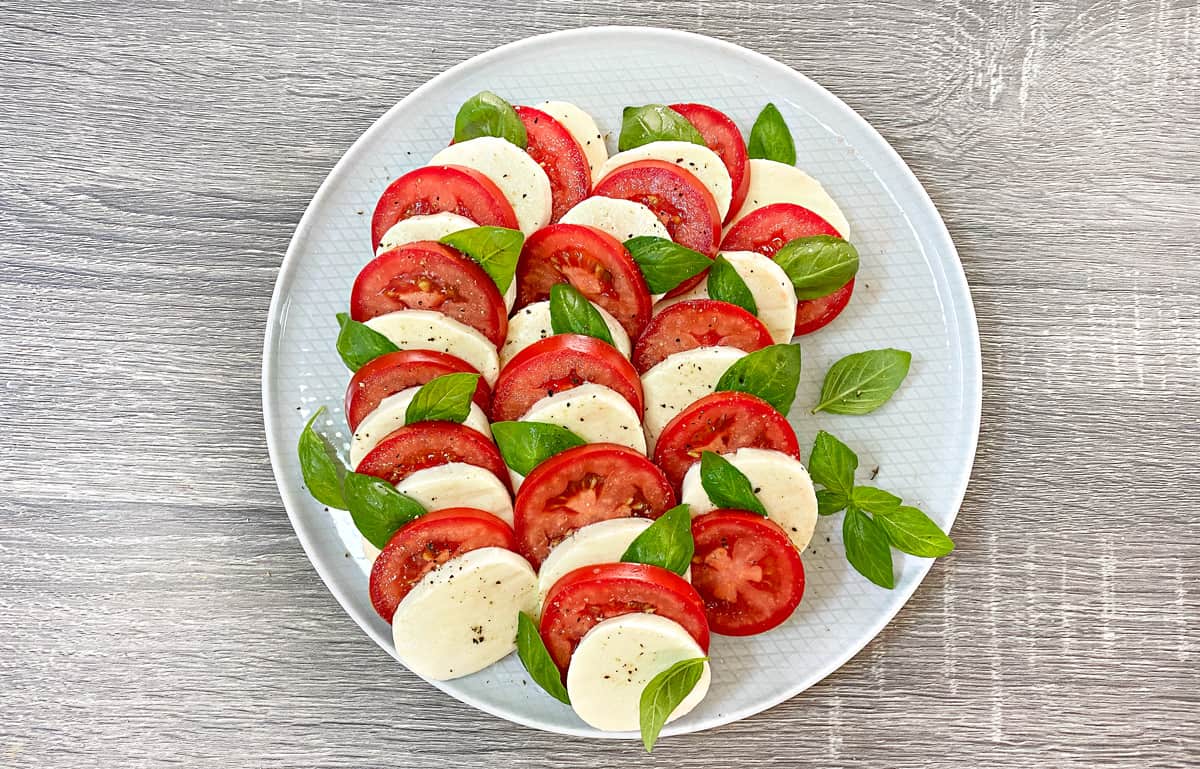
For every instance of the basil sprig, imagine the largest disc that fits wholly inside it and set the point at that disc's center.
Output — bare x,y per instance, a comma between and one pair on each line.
446,398
525,445
664,263
654,123
864,381
772,373
321,466
537,660
486,114
726,285
666,543
496,249
665,692
572,313
818,265
359,344
726,486
770,138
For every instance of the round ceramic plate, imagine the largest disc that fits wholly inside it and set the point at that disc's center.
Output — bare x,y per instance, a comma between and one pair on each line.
910,294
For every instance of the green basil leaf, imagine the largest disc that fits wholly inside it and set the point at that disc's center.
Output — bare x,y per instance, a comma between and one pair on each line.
831,463
377,508
359,344
666,543
867,548
536,659
770,138
446,398
864,381
497,250
664,263
911,531
654,123
818,265
572,313
486,114
772,373
726,285
874,500
665,692
525,445
727,486
321,466
830,502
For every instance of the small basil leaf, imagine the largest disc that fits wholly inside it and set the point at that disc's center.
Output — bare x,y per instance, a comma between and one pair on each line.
525,445
864,381
486,114
536,659
911,531
321,466
830,502
832,464
665,692
770,138
664,263
867,548
377,508
359,344
446,398
654,123
496,249
666,543
572,313
727,486
771,373
726,285
818,265
874,500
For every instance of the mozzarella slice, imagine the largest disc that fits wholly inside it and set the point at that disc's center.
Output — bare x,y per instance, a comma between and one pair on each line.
772,289
679,380
462,616
429,330
427,227
595,413
583,128
601,542
389,415
623,219
511,169
702,162
780,482
532,322
617,658
772,182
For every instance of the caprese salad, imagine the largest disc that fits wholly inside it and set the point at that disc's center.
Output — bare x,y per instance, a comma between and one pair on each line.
569,406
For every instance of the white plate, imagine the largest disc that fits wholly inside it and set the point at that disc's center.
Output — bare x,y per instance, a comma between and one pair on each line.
911,294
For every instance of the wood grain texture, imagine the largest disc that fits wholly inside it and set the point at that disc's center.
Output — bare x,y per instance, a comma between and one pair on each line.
155,606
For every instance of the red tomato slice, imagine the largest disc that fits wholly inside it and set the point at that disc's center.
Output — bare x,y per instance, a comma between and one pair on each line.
590,260
724,138
583,485
746,570
429,276
681,202
721,423
434,189
422,545
812,314
560,156
415,447
395,371
583,598
558,363
698,323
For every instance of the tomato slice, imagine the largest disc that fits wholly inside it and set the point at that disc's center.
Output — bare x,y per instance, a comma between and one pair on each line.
698,323
584,485
723,137
746,570
681,202
560,156
721,423
558,363
395,371
592,261
422,545
812,314
434,189
415,447
429,276
583,598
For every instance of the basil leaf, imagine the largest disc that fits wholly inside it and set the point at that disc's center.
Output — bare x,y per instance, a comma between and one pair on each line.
911,531
830,502
665,692
486,114
727,486
377,508
726,285
771,373
770,138
446,398
867,548
525,445
359,344
864,381
654,123
818,265
874,500
666,543
321,466
572,313
664,263
497,250
536,659
832,464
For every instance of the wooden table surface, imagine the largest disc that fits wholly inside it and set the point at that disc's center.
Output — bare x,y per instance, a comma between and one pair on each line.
155,605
